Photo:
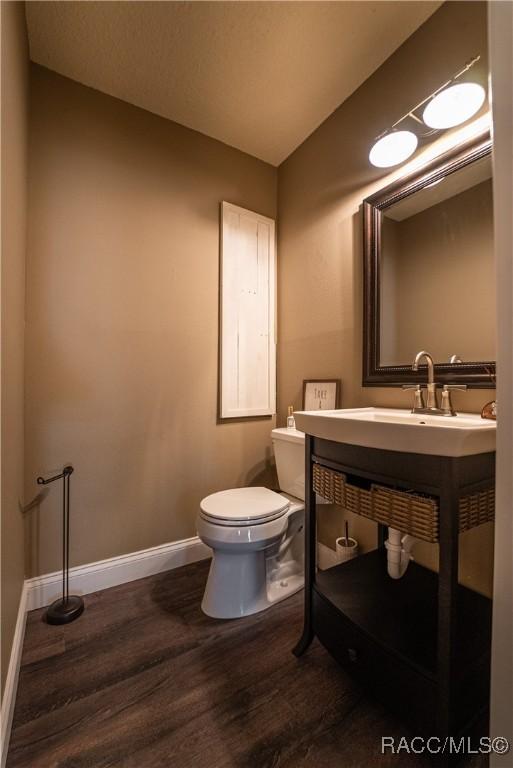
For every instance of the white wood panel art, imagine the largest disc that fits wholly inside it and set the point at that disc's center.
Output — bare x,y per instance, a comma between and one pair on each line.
248,309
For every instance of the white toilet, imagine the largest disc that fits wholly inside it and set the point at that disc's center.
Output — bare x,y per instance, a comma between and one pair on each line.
257,537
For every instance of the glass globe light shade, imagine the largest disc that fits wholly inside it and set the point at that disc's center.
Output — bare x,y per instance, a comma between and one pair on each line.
454,105
392,149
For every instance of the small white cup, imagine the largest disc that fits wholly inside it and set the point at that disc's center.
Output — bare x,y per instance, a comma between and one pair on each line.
346,551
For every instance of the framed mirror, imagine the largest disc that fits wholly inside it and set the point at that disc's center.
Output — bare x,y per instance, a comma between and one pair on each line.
429,279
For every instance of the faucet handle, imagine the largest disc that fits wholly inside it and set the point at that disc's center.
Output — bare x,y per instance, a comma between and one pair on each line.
446,406
418,397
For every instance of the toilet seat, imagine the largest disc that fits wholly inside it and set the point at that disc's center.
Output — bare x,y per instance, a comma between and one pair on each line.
243,506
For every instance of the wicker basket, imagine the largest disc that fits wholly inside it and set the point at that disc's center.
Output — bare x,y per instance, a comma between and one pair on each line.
408,512
477,509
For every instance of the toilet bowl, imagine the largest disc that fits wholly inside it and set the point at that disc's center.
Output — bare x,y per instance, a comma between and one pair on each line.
256,537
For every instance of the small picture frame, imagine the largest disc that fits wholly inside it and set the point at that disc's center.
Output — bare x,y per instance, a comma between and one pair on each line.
321,394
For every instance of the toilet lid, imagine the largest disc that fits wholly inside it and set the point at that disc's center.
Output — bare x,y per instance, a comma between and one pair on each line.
244,505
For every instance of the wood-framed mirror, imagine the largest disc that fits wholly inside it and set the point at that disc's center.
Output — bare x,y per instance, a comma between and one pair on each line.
429,279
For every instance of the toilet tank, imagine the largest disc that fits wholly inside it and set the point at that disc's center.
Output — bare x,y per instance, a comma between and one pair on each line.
289,452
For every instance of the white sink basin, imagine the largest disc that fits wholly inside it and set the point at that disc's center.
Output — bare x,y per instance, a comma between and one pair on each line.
400,430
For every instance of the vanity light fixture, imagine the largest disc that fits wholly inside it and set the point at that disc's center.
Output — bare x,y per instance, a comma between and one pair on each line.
454,105
450,105
393,148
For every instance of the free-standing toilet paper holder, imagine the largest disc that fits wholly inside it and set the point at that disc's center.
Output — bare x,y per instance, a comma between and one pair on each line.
68,607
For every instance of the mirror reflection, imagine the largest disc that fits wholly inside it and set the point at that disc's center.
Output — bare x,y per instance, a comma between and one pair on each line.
437,288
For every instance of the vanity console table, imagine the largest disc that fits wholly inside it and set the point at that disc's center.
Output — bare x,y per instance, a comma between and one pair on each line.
421,643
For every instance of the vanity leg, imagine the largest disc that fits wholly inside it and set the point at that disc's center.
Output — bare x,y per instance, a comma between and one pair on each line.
447,605
310,550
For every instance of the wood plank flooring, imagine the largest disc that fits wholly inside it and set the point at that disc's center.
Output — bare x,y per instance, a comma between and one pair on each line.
144,680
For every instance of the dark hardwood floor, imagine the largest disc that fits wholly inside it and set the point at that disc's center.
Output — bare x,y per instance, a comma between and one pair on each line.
144,680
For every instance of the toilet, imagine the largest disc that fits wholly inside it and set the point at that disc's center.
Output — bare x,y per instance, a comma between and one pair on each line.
256,537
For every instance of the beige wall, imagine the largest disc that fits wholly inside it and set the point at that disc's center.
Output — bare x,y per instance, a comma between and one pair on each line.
14,187
122,321
443,295
321,187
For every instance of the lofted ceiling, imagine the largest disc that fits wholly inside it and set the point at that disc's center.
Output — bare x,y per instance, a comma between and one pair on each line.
259,76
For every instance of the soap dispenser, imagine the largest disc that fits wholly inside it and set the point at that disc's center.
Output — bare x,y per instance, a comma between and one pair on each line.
291,422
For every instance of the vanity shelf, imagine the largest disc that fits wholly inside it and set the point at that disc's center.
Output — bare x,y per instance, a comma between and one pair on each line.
421,643
401,614
385,630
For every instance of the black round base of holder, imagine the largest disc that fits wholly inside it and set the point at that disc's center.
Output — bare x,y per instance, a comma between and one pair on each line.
63,611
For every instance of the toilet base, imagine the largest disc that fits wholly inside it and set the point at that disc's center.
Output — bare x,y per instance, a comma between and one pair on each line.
279,590
240,585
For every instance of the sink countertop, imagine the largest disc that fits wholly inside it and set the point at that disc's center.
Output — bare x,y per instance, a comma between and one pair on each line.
395,429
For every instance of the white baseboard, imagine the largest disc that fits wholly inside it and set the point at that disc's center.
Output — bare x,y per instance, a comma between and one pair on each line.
84,579
11,681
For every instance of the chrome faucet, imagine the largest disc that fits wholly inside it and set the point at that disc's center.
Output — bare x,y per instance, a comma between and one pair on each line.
446,408
431,404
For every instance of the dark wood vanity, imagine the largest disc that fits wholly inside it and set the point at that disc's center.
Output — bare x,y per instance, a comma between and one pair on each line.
421,643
